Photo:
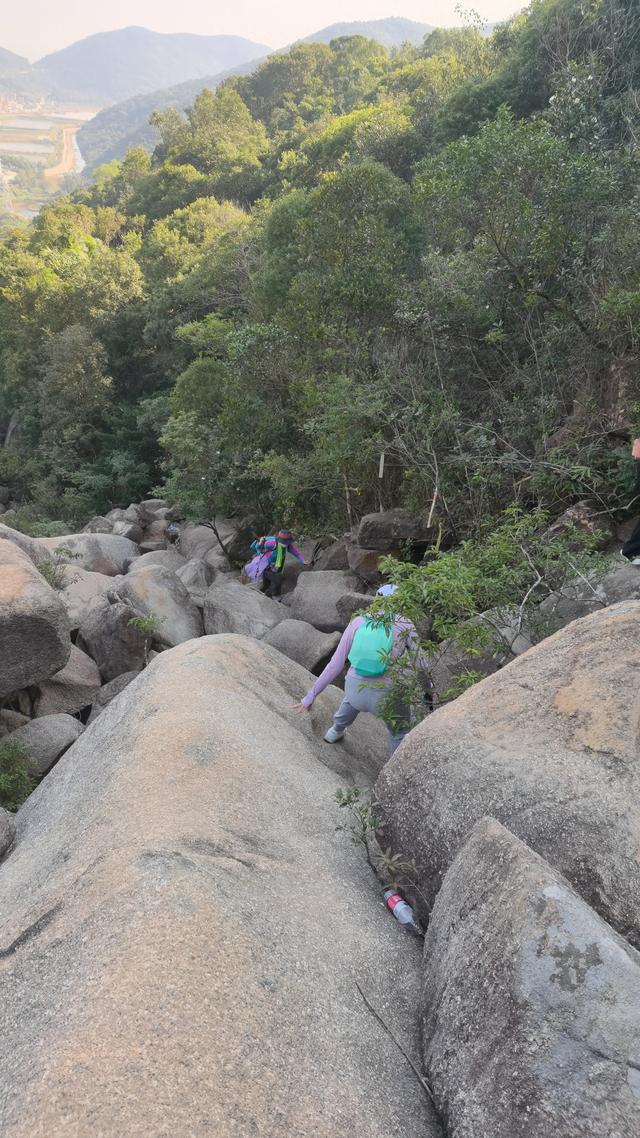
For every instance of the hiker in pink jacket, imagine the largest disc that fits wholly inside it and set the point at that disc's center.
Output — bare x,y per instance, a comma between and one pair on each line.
363,692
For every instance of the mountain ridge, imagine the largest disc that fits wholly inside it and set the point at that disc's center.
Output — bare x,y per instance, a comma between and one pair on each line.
115,129
110,67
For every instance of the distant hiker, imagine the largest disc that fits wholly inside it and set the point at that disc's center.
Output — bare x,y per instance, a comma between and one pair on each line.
631,548
172,533
269,562
370,647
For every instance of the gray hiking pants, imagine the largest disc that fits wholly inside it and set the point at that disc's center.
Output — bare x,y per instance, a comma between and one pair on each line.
360,696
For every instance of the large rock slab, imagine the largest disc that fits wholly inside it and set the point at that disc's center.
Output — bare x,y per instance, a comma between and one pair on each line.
98,525
28,545
196,576
352,603
334,556
388,530
131,530
47,739
168,558
531,1003
232,607
549,747
303,643
110,691
34,630
72,688
187,969
198,541
316,597
96,552
82,592
156,591
109,637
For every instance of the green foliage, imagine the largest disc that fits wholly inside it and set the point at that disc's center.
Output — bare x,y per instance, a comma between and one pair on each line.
147,625
16,783
396,871
429,255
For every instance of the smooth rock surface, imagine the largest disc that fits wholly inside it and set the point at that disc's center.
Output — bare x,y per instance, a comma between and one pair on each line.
388,530
549,747
47,739
316,596
131,530
7,831
28,545
96,552
108,636
155,591
303,643
334,556
34,629
82,592
198,541
232,607
168,558
98,525
72,688
351,603
187,969
110,691
364,563
531,1003
196,576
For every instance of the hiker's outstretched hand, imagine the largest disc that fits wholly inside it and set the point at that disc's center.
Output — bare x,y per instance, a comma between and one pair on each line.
300,708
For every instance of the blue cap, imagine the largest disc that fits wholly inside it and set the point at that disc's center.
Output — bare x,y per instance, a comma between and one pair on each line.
387,590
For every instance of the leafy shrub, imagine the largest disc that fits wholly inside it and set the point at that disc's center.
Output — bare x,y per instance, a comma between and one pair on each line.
16,783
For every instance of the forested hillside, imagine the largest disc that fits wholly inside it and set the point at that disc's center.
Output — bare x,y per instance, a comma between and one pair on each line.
117,128
421,265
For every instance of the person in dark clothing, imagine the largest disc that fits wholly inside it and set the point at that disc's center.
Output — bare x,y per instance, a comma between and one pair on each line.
277,547
631,548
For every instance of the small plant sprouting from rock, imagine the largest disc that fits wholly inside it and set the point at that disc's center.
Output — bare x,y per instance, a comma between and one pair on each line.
16,783
148,626
393,869
53,568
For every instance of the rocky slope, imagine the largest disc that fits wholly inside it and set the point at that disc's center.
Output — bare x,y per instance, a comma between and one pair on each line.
183,932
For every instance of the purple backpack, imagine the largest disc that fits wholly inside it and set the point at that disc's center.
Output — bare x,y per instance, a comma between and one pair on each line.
255,568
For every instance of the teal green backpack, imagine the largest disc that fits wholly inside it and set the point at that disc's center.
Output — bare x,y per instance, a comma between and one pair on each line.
370,649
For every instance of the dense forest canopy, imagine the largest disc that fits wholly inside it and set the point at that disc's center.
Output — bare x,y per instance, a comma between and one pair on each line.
429,254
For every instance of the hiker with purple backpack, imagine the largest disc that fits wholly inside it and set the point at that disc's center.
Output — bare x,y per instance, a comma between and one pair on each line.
270,558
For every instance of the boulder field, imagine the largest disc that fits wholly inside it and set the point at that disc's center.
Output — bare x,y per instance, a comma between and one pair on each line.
182,933
549,747
184,923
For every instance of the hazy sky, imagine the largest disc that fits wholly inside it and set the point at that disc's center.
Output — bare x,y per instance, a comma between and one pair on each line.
36,27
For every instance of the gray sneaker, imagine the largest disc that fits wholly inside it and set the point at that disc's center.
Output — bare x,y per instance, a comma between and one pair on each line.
333,735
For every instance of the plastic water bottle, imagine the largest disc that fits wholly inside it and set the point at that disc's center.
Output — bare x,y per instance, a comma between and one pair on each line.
402,911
